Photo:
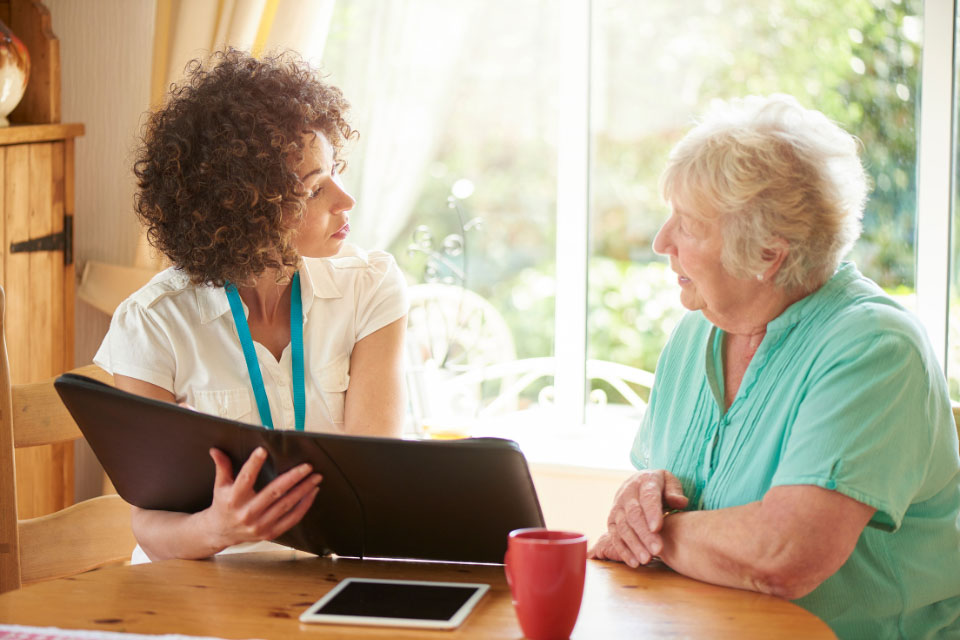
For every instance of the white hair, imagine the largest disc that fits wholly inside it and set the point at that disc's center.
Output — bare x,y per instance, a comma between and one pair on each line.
772,172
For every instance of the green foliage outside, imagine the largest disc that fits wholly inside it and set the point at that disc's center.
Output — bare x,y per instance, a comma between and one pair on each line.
858,61
509,257
953,347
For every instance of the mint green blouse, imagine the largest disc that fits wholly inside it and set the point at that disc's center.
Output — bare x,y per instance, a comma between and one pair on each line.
843,393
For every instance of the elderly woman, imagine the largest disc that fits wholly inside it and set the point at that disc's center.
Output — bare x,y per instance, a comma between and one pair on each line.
266,316
799,439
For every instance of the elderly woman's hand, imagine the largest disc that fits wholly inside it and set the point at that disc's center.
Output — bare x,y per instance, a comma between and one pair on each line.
241,514
605,549
634,523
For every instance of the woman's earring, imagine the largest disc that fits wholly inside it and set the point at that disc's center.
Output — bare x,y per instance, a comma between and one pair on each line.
760,277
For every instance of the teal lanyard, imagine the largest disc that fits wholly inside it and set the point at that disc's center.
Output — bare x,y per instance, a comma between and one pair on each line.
250,354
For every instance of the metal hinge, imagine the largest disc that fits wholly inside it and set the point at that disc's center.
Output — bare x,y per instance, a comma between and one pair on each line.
62,241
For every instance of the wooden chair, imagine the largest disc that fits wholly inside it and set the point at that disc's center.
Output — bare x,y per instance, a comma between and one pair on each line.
83,536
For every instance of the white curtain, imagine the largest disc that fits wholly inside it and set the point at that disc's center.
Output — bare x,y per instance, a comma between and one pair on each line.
398,74
398,67
188,29
301,25
200,26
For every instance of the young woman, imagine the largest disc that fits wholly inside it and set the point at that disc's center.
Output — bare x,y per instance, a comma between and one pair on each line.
267,315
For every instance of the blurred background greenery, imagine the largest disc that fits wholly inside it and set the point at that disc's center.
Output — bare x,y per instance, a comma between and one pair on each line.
653,68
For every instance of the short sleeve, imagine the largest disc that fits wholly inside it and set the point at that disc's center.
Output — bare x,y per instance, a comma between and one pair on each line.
381,294
865,427
137,347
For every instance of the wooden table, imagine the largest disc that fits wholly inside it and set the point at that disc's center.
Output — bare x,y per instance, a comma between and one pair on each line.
262,595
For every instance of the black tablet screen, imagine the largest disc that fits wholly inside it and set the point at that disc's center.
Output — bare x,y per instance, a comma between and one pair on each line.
413,601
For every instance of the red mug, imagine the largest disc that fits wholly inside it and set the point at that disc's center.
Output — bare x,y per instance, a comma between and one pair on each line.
545,570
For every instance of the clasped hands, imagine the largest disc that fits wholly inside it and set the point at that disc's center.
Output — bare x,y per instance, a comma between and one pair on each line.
636,519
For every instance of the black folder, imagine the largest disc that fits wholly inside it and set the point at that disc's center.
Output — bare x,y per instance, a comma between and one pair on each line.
380,497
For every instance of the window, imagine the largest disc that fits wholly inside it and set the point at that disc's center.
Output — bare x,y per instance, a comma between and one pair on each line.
855,61
455,173
506,145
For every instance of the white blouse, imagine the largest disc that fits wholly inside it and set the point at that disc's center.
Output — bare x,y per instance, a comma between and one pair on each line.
182,338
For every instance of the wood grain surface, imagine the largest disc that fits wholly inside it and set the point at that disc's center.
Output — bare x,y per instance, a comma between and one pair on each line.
262,596
36,195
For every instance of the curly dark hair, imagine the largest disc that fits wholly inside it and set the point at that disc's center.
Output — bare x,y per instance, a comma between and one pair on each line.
216,169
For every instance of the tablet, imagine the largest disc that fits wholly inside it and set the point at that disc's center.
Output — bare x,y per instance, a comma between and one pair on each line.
396,603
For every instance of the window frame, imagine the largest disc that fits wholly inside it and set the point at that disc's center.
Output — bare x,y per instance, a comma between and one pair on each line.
573,212
935,168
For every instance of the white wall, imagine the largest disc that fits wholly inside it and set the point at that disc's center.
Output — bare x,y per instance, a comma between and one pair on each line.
576,498
106,48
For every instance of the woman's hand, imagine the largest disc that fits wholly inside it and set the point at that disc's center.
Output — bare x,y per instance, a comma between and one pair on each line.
634,523
604,549
240,514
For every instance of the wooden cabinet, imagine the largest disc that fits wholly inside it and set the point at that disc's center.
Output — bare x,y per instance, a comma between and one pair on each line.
37,273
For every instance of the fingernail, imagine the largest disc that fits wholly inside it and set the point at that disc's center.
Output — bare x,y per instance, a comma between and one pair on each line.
304,468
317,478
656,547
261,452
